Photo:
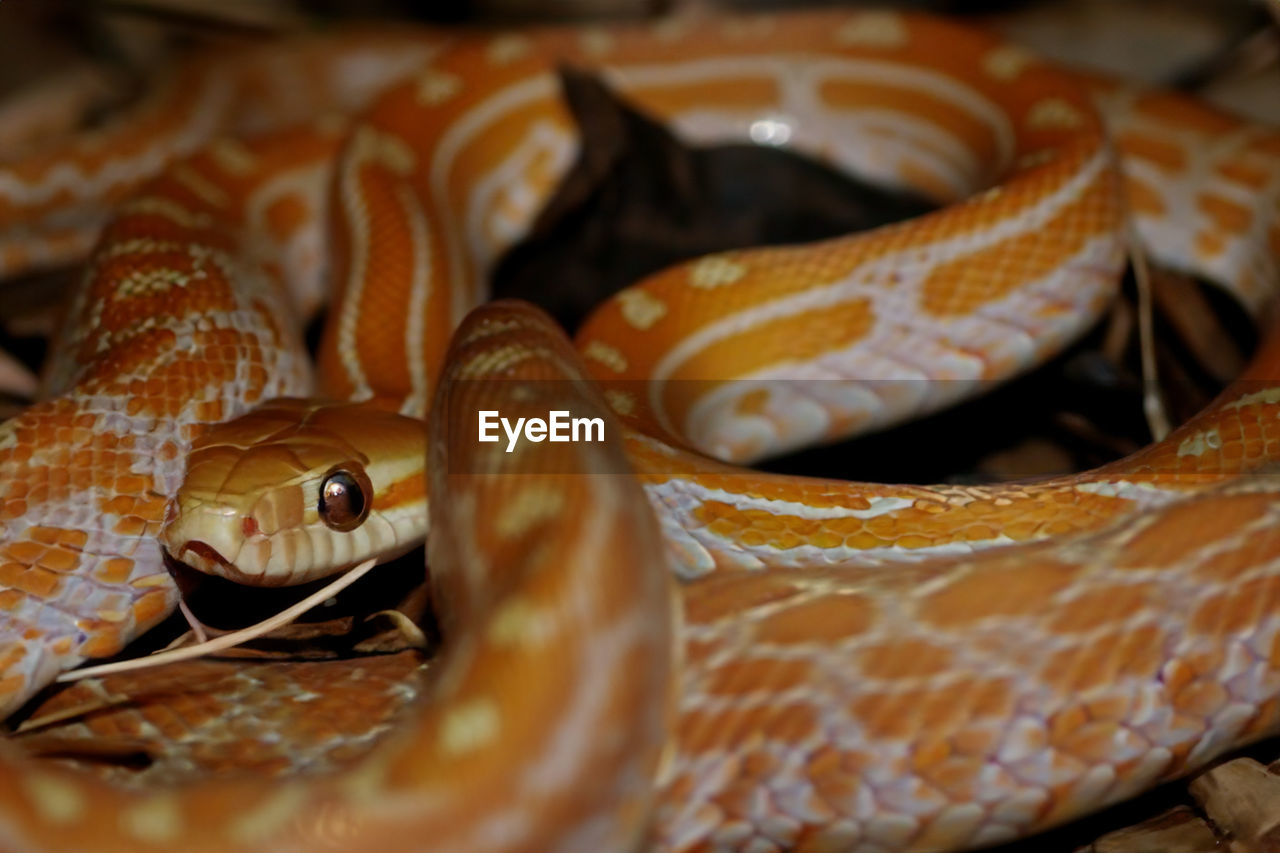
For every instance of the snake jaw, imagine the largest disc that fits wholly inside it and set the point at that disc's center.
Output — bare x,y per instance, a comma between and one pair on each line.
202,553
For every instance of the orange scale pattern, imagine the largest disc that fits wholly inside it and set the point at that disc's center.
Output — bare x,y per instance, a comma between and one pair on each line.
824,700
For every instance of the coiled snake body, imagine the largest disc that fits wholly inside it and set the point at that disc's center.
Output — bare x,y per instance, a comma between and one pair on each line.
846,666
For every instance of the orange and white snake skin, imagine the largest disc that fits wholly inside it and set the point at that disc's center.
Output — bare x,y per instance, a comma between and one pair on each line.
841,666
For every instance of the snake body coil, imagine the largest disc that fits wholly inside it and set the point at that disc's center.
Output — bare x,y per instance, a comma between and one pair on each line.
846,666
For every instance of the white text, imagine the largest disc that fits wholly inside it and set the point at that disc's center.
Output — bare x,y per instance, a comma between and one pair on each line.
557,427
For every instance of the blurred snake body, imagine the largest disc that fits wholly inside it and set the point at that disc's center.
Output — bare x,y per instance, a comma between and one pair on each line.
842,666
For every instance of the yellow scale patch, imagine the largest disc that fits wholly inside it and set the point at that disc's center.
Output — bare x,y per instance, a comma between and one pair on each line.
506,49
56,800
156,820
596,42
529,508
149,282
606,355
1054,114
1007,62
715,271
1265,397
385,149
519,624
621,402
641,309
497,360
167,209
233,157
202,187
1197,444
874,29
436,87
470,726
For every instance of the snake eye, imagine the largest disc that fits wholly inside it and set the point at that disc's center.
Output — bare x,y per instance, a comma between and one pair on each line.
344,499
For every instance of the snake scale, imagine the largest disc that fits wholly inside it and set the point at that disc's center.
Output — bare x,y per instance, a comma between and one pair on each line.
696,657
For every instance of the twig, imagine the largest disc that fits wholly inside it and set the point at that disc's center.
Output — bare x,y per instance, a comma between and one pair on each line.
1152,402
226,641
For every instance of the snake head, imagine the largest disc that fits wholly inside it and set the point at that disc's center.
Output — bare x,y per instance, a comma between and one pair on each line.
295,490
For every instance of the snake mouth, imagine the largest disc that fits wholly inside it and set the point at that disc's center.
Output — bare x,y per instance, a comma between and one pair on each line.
204,553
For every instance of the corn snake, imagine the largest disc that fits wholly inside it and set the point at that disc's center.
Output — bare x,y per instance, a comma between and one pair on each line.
820,758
